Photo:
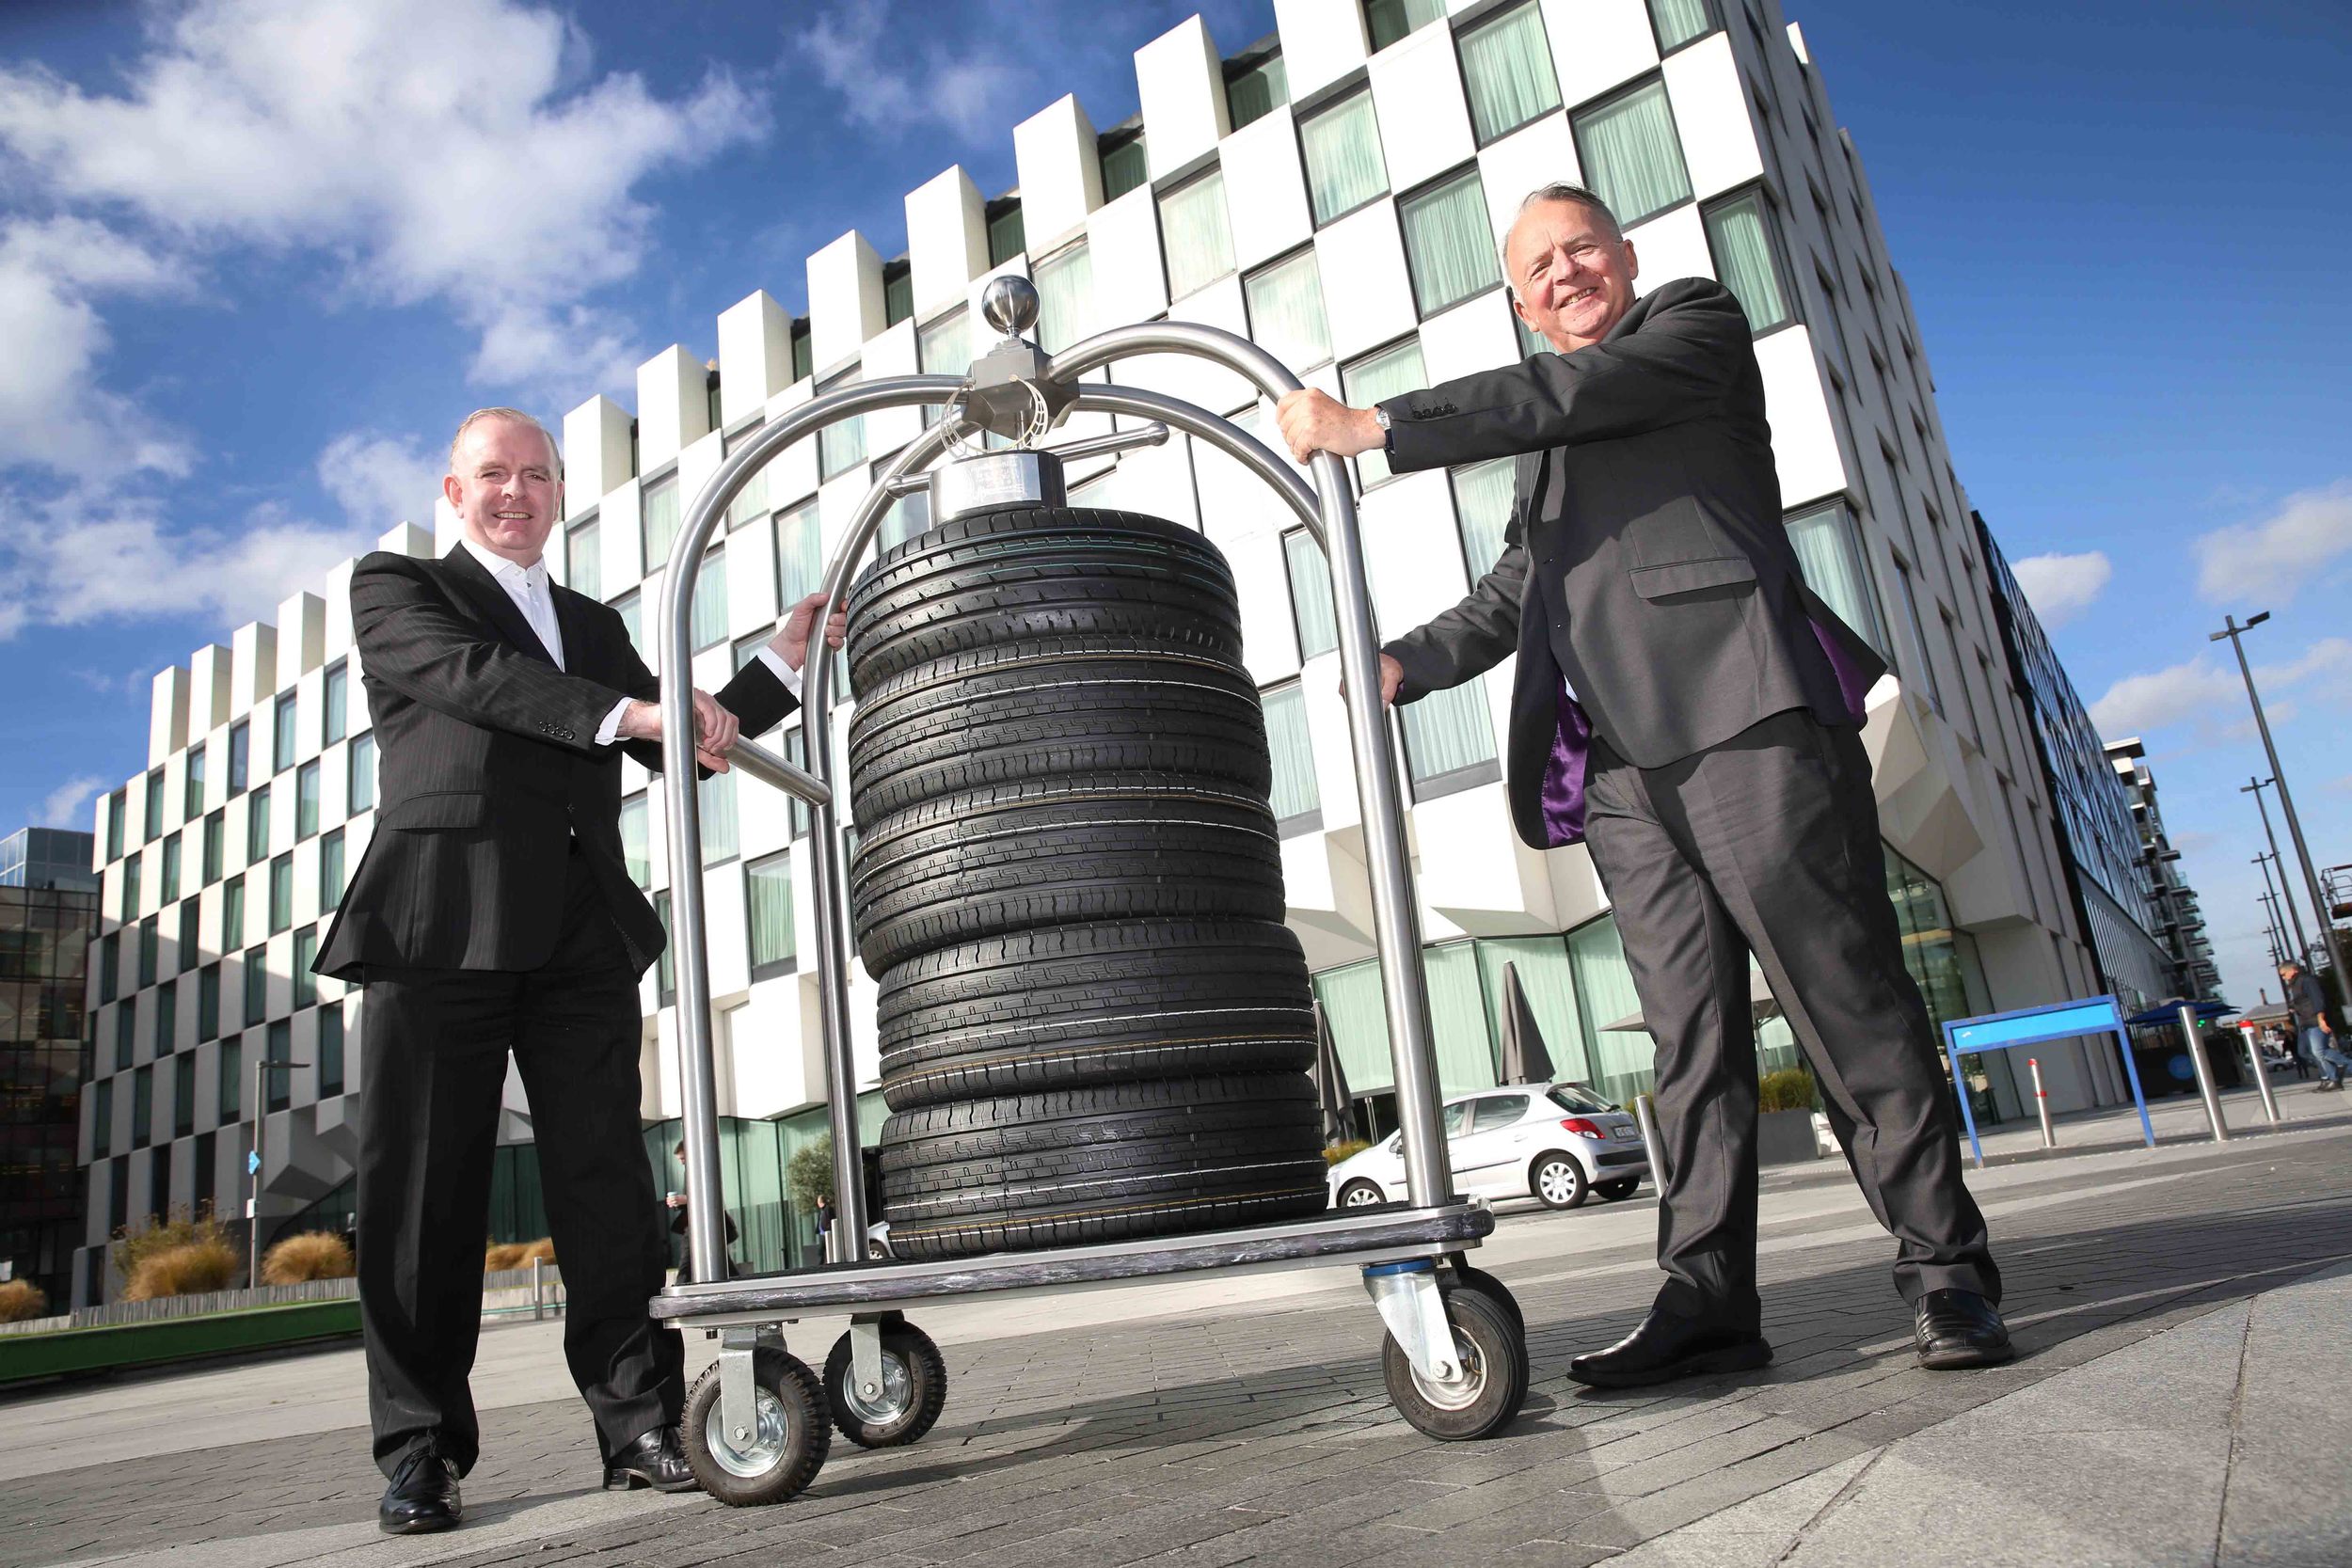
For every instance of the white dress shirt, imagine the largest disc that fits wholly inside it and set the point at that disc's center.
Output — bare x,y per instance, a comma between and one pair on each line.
529,587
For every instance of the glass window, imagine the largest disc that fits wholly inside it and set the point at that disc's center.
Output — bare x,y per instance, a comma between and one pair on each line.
1005,238
1342,144
1124,166
1286,316
154,806
908,517
191,914
799,555
126,1034
280,893
1679,21
583,560
361,787
1449,738
661,520
626,608
142,1107
1573,1097
800,351
171,870
1831,559
1194,231
102,1119
257,825
151,943
897,292
796,750
335,721
1506,71
132,874
330,1049
278,1081
109,965
215,836
230,1086
1740,233
117,804
1498,1110
709,623
1621,1060
1448,247
1254,92
1390,20
665,967
331,871
841,446
1310,595
307,799
256,985
767,894
1483,493
636,851
1065,298
1391,373
1918,636
306,953
289,718
233,914
752,501
1297,806
1627,147
240,755
192,785
184,1096
944,348
716,796
207,1002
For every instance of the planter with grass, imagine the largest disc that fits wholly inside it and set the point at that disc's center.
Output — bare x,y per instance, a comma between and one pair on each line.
1784,1122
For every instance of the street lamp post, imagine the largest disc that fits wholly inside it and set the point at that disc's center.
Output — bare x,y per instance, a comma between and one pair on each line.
2231,629
2294,917
2270,926
262,1066
2262,862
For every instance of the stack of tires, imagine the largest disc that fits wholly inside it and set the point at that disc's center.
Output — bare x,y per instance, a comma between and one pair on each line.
1067,882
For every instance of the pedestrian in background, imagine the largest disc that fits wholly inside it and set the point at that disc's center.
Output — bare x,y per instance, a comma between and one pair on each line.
2308,1004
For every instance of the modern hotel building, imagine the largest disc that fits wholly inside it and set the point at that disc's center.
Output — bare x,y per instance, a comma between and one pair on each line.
1335,192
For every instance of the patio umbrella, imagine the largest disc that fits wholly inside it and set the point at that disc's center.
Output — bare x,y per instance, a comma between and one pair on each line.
1330,1081
1524,1058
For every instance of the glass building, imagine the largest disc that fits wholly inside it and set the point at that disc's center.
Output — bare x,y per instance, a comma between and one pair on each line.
46,932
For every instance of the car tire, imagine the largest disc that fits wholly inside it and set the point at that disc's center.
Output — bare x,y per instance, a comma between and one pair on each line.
1557,1180
1360,1193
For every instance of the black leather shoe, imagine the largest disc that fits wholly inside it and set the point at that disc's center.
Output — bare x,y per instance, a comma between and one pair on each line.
422,1496
652,1459
1960,1328
1665,1347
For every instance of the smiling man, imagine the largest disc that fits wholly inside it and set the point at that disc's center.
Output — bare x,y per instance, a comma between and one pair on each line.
1686,705
493,914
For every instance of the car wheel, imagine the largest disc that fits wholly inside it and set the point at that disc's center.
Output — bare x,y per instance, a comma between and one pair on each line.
1619,1189
1558,1181
1361,1194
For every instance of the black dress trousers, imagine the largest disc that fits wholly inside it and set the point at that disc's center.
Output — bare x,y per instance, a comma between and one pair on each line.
1770,843
434,1044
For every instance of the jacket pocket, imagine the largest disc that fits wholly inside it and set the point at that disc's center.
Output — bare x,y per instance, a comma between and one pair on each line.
1687,577
454,809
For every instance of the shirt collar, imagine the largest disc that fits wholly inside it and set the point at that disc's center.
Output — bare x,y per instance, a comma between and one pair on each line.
507,572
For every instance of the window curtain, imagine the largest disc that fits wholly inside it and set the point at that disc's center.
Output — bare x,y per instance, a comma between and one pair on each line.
1743,259
1295,792
1359,1019
1449,245
1343,165
1551,987
800,556
1506,67
752,501
841,445
636,848
1447,732
1622,1065
1256,92
716,796
1629,149
661,514
908,517
1390,20
1678,21
710,600
944,348
1310,595
1822,538
1193,229
1286,314
1482,507
1389,373
1065,298
1124,167
1457,1018
767,892
583,561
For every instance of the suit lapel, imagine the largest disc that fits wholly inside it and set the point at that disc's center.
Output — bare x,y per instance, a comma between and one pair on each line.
495,603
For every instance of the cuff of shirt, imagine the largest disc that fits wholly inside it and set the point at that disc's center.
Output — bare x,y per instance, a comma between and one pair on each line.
783,671
610,731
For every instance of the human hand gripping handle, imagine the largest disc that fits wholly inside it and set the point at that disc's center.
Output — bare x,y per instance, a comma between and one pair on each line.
792,639
715,729
1313,421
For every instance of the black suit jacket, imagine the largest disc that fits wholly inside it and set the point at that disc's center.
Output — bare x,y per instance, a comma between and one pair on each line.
487,765
1645,560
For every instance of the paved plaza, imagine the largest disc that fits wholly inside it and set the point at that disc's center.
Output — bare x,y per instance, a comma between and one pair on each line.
2184,1318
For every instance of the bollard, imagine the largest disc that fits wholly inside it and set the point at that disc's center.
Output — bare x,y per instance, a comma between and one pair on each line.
2204,1074
1643,1114
2261,1074
538,1310
2041,1103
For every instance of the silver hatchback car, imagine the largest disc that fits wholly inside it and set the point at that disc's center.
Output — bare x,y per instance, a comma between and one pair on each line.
1558,1143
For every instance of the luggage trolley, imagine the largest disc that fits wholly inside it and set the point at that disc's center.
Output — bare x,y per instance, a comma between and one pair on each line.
758,1426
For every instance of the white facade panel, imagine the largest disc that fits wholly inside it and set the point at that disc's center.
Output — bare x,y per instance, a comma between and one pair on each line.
946,239
845,300
1475,335
1322,42
672,407
1670,246
1130,278
1530,157
1266,189
1599,44
755,357
1367,294
1061,176
1181,82
1804,439
1424,120
595,453
1711,117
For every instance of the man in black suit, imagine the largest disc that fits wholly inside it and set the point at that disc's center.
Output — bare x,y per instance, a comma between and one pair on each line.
493,913
1686,705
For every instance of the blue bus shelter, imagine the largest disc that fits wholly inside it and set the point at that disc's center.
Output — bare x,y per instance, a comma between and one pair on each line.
2058,1020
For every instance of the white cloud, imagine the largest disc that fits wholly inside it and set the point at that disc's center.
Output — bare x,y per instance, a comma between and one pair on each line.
380,480
2060,587
2270,560
449,151
2214,694
68,805
890,81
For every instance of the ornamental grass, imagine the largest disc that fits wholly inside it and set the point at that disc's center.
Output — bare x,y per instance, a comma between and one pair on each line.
312,1255
21,1299
191,1269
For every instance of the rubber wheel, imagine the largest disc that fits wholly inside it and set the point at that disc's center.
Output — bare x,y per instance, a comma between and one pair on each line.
1360,1193
914,1390
1490,1351
1113,1002
1469,1276
1619,1189
783,1454
1558,1181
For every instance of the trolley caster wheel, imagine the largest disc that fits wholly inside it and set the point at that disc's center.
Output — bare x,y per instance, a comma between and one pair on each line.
780,1455
1490,1356
913,1389
1467,1276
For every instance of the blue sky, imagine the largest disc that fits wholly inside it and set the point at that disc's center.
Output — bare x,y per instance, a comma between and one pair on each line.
258,256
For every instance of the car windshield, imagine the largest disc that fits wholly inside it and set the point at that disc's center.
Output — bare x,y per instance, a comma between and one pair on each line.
1576,1097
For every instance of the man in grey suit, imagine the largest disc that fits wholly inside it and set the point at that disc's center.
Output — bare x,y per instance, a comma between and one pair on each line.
1689,708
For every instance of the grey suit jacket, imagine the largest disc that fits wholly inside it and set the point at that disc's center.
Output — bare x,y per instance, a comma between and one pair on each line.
1645,561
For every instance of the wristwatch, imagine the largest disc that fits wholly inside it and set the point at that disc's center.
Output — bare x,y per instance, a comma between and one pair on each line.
1388,436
